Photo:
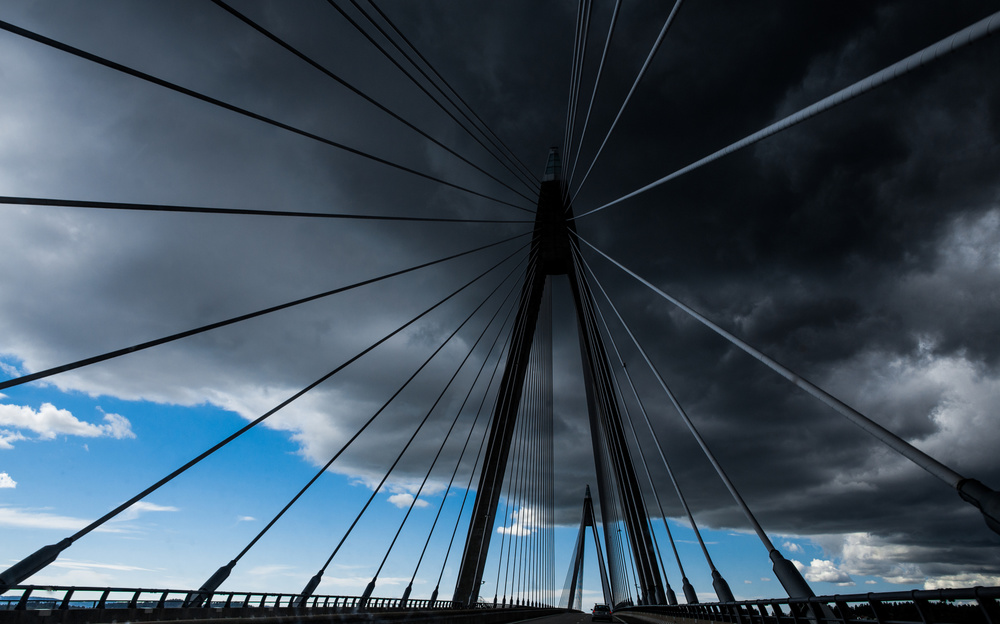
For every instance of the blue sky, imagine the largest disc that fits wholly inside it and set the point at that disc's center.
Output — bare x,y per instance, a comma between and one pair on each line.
181,533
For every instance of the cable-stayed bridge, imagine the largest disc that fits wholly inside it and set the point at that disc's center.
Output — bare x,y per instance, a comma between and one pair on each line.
483,433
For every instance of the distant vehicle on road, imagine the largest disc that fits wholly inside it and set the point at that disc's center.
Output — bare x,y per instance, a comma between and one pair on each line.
601,613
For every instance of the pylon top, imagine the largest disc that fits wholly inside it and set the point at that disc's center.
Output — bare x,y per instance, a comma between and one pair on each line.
553,168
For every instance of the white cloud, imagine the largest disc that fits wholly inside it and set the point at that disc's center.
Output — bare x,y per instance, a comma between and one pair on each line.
765,579
246,519
9,371
403,500
747,582
41,519
140,508
7,438
6,481
792,547
523,521
864,554
48,422
823,570
87,565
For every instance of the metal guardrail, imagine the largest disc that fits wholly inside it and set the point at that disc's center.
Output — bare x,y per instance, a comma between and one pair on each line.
41,597
975,605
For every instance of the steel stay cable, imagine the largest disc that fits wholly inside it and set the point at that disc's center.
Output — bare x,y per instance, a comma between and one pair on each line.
659,449
531,185
981,29
497,141
529,505
38,38
551,467
522,481
642,457
572,73
533,502
690,425
635,84
656,441
372,419
608,444
545,553
376,490
513,489
912,453
497,398
593,94
41,558
412,79
479,454
83,203
223,572
518,331
468,437
604,472
236,319
246,20
454,421
638,447
575,93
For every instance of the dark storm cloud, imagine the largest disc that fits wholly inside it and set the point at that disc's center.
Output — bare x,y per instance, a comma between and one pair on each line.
859,248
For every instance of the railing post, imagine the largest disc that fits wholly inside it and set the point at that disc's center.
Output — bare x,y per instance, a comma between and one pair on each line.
65,601
923,608
102,603
776,612
22,604
989,608
876,606
842,609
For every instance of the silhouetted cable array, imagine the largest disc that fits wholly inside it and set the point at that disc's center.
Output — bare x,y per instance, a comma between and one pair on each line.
220,575
579,62
44,556
981,29
525,517
971,490
314,582
17,30
790,578
722,588
136,207
246,20
413,78
571,163
531,181
465,447
236,319
605,452
649,59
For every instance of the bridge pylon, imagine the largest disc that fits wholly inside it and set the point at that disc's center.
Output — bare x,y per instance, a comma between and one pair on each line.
551,254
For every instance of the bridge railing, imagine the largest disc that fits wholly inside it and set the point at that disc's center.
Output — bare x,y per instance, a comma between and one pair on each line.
976,605
42,597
